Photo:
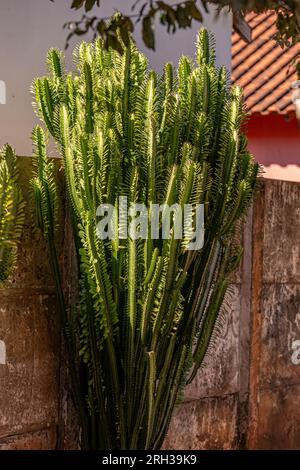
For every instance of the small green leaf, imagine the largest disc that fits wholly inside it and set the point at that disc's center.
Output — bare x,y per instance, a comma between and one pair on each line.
101,27
124,33
196,13
183,18
89,5
113,42
77,4
148,32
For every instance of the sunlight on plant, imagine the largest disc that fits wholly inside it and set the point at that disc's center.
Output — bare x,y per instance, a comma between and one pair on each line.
148,309
11,212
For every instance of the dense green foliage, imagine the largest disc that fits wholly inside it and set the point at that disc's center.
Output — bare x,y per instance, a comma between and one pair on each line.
175,15
148,308
11,212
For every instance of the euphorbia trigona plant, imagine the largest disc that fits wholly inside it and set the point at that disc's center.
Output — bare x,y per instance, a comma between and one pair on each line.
11,212
148,307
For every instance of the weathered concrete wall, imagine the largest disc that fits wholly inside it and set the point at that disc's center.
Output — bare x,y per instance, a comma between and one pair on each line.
275,379
248,393
29,328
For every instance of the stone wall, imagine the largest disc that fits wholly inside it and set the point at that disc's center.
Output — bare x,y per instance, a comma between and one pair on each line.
246,396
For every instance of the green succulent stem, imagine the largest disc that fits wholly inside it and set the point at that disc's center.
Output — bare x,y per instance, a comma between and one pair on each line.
12,212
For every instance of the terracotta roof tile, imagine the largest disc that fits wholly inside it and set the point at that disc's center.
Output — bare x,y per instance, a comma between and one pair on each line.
263,68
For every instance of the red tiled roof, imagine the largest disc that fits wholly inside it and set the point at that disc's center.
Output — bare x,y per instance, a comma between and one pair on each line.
263,68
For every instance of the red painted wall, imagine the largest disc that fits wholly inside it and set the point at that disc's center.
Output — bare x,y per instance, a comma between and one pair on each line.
274,139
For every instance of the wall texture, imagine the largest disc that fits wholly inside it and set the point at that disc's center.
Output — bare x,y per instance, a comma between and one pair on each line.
29,328
246,396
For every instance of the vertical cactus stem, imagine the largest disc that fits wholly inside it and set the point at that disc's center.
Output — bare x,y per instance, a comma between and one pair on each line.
151,396
89,99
